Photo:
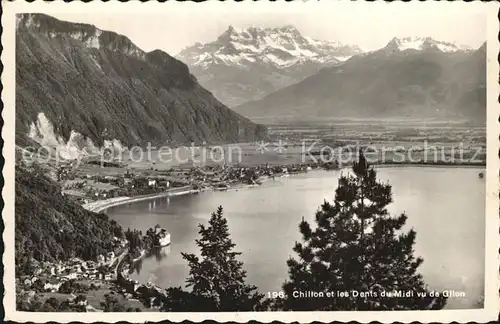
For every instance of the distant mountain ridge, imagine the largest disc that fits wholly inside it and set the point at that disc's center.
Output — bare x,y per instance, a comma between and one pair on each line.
76,83
423,43
420,78
246,64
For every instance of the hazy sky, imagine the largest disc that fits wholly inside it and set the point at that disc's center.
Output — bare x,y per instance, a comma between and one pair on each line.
368,25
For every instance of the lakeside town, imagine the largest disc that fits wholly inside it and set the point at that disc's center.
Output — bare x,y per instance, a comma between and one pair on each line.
95,178
77,281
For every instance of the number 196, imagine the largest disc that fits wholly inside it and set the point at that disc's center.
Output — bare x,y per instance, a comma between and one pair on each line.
276,294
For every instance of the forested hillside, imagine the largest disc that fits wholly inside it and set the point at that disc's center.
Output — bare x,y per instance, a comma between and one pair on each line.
101,86
50,227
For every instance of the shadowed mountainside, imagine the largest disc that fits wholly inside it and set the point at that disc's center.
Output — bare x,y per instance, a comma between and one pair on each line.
50,227
426,83
100,85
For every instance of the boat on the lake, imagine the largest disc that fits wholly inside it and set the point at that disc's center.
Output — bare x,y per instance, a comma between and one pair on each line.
221,187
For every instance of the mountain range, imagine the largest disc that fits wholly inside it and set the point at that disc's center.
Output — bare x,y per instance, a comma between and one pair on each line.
410,77
247,64
423,43
81,86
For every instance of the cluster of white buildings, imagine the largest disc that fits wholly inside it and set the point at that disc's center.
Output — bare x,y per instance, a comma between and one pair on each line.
55,274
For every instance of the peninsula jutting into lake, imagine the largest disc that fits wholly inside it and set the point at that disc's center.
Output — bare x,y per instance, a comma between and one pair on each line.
264,166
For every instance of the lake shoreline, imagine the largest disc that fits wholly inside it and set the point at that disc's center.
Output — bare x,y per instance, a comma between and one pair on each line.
99,206
102,205
429,165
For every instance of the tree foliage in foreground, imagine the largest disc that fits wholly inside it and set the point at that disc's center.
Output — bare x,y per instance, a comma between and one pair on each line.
35,304
357,246
217,278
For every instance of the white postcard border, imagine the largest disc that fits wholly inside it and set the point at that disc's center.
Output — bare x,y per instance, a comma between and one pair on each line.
492,282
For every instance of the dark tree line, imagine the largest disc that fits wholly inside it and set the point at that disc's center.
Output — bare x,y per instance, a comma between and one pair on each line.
52,304
134,238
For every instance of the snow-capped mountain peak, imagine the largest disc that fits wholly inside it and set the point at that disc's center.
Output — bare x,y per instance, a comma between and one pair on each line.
280,47
244,64
422,43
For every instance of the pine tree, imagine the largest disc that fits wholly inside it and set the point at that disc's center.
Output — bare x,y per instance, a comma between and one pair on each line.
217,279
357,247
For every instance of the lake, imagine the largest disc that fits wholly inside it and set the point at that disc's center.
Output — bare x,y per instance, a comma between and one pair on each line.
446,207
